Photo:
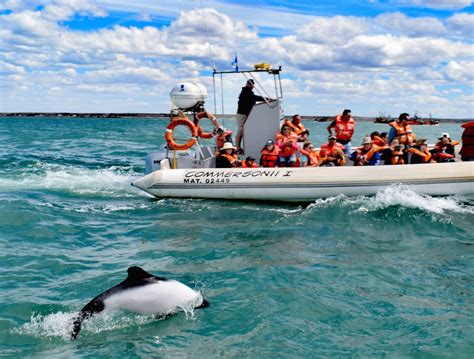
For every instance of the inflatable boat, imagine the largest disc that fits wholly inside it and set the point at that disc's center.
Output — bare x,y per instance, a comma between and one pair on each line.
188,170
307,184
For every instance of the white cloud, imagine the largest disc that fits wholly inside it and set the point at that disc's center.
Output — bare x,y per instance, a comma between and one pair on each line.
11,5
402,24
463,24
460,71
392,60
9,69
333,30
64,9
438,4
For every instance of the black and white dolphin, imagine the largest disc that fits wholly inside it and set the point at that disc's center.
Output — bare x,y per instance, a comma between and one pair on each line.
142,293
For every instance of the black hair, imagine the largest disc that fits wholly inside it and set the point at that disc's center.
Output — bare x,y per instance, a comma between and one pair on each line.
375,133
346,111
403,116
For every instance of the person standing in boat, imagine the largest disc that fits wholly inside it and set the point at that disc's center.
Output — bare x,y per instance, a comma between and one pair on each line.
227,157
246,101
467,150
402,130
344,127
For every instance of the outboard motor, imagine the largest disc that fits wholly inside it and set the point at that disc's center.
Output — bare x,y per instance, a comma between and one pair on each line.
187,96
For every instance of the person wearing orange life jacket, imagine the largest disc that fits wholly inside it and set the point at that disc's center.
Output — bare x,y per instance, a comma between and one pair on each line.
467,150
296,126
227,157
368,154
223,136
344,127
286,141
249,162
269,155
393,155
309,156
419,153
402,130
444,149
379,139
332,153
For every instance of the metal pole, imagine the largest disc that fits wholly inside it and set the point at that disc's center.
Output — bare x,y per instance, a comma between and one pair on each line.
276,88
281,88
214,84
222,99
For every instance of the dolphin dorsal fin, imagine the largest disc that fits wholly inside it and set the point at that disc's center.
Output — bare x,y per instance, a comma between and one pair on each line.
137,273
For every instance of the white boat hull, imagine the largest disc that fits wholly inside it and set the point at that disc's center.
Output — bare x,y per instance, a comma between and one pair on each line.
307,184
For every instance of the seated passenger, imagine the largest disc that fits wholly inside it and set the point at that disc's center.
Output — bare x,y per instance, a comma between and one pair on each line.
419,153
332,153
394,154
286,141
303,136
444,149
223,136
377,138
269,155
296,126
249,162
309,156
367,155
227,157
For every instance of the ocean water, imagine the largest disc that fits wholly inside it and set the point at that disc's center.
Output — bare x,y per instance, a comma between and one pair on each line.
385,276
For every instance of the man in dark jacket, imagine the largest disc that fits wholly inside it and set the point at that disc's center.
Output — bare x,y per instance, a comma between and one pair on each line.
246,101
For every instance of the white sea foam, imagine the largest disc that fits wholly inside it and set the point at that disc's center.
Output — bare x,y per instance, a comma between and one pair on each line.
397,195
404,196
51,325
60,324
112,180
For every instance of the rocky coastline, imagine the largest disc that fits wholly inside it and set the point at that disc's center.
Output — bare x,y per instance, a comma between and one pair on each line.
167,115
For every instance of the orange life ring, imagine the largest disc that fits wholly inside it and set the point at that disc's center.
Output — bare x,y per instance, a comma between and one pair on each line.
169,134
210,116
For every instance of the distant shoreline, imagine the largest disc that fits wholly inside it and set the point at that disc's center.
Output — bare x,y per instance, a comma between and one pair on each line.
167,115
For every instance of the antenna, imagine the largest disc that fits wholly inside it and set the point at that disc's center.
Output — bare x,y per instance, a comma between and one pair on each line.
207,37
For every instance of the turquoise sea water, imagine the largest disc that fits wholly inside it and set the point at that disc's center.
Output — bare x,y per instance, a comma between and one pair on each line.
389,275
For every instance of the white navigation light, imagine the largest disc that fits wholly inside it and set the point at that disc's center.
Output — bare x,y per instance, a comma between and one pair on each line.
187,95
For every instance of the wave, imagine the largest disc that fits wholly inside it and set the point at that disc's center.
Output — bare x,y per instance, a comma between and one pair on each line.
397,196
113,180
60,324
404,196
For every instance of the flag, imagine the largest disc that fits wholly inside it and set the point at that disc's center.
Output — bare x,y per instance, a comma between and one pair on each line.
235,64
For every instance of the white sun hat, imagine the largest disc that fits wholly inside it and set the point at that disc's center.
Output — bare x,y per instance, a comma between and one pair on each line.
228,146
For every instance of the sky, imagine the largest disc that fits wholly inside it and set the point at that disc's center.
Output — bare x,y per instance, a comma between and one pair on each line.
374,57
